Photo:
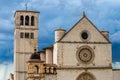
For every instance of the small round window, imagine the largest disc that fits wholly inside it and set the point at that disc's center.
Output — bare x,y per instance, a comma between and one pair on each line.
84,35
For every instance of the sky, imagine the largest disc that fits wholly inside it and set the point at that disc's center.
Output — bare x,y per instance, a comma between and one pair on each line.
105,14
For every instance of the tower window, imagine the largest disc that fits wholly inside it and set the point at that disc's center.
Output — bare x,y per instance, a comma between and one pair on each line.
21,20
32,21
36,69
32,35
27,20
21,35
26,35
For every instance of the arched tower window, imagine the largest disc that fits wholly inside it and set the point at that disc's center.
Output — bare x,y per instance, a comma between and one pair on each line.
36,69
21,20
32,21
27,20
32,36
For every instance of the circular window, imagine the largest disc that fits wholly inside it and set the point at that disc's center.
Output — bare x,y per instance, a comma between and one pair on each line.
84,35
85,54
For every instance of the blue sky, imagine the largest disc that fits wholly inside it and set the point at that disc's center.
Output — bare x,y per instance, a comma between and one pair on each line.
105,14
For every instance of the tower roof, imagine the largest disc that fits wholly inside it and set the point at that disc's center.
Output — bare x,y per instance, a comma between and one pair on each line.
35,56
48,47
60,29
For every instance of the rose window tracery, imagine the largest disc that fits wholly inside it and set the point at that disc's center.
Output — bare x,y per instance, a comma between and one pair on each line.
85,54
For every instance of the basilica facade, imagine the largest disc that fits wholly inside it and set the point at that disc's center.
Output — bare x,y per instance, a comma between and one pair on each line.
82,53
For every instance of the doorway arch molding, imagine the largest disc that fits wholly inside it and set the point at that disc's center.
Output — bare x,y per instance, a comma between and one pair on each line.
86,76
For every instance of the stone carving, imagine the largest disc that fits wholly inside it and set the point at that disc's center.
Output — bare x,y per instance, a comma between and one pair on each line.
85,54
86,76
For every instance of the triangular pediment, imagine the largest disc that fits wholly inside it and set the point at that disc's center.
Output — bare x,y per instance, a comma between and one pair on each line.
84,25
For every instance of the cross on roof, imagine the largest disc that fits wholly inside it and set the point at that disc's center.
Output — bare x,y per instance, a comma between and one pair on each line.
26,6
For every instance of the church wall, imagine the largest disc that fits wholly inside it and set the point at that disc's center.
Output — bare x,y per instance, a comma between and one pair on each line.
57,52
66,54
73,74
26,45
23,47
20,76
49,56
116,74
50,77
43,56
84,25
21,65
21,61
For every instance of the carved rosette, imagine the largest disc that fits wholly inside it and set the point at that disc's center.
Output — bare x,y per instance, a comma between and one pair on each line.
85,54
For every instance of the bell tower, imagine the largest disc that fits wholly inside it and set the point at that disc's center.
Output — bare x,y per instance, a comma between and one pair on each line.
25,40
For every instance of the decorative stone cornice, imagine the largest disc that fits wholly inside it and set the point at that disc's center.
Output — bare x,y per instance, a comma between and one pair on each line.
24,52
83,42
26,28
82,68
21,71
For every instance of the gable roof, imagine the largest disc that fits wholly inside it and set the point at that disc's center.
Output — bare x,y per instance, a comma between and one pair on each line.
84,16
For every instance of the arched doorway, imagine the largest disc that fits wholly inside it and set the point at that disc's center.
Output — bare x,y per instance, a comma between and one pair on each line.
86,76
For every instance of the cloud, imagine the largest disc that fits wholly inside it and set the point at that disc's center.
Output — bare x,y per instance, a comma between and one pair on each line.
6,24
115,37
5,69
44,4
6,40
2,42
116,65
108,2
5,36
